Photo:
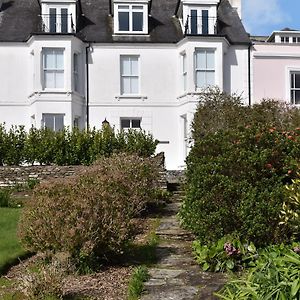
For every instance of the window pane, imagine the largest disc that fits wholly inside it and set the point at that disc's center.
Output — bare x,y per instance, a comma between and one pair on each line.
297,97
59,122
49,59
64,20
210,59
59,59
137,7
297,80
210,78
200,60
194,21
126,7
125,123
137,21
204,21
52,21
123,21
136,123
125,66
49,79
134,66
134,85
292,80
59,79
200,79
125,85
48,121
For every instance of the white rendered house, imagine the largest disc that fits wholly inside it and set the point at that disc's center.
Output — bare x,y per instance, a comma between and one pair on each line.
135,63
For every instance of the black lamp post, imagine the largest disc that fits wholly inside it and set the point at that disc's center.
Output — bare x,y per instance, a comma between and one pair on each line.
105,123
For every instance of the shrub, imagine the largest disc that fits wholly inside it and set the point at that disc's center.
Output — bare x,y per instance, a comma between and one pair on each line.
290,214
5,197
227,254
275,276
89,215
66,147
236,177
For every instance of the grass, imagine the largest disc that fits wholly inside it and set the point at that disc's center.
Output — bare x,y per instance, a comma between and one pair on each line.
136,283
10,248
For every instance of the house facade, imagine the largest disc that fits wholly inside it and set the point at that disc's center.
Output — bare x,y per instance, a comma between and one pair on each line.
276,67
135,63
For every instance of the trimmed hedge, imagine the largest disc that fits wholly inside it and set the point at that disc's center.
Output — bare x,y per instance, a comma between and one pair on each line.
67,147
89,215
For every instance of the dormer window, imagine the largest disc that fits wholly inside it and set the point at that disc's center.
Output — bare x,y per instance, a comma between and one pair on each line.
58,16
131,18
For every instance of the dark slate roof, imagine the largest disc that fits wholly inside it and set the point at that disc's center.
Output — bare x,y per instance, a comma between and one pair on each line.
20,18
230,24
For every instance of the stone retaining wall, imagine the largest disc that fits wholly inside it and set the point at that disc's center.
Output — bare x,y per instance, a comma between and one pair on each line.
19,175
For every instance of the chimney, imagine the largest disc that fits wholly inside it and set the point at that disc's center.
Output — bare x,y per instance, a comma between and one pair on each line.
237,4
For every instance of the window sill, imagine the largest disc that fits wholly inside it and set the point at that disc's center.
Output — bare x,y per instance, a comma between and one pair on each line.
131,33
133,97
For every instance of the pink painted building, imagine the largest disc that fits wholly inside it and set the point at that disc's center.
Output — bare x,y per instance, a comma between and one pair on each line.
276,67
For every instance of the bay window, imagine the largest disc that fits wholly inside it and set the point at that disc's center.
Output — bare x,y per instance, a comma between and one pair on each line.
53,68
53,122
204,68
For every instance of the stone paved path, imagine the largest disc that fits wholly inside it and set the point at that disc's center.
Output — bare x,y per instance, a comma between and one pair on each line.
176,275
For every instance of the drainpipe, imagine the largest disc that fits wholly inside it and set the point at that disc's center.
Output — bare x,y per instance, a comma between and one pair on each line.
87,86
249,73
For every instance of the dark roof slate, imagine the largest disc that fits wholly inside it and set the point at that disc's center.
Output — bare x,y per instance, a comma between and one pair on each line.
20,18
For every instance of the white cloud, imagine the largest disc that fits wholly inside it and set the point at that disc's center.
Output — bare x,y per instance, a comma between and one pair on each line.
258,14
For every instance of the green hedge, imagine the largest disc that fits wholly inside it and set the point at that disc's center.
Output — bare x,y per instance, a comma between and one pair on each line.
67,147
236,175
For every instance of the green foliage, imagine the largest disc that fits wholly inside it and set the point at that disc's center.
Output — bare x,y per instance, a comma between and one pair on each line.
218,110
10,248
275,276
236,176
227,254
5,197
136,283
91,215
291,208
67,147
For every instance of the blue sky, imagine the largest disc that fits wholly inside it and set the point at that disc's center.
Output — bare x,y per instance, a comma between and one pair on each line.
262,17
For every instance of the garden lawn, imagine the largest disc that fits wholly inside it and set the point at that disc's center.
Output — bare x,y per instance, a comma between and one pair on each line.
10,248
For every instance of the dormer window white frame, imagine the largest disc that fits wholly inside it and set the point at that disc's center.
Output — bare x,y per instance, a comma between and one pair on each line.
131,17
58,16
199,17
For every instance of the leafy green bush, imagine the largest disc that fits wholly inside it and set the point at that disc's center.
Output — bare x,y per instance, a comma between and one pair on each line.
275,276
218,110
5,197
236,175
89,215
67,147
136,283
227,254
290,214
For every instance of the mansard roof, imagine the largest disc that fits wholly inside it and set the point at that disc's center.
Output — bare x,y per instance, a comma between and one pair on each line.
19,19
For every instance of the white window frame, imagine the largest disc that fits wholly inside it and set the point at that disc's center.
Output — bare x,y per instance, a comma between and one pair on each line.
119,7
76,68
130,119
206,70
59,14
122,76
54,120
53,70
184,71
291,89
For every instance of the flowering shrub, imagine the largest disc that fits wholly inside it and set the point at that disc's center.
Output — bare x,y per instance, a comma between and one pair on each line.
89,215
236,178
227,254
67,147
